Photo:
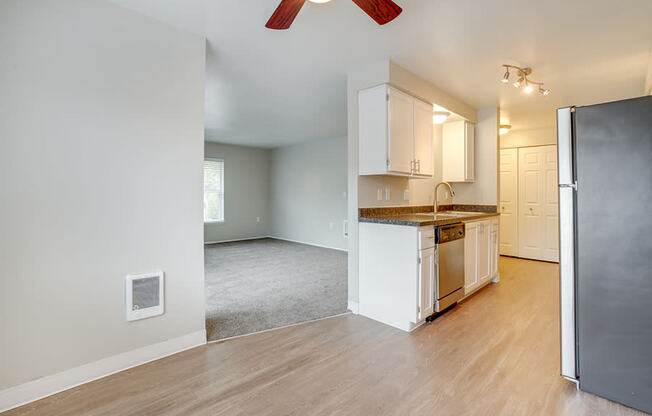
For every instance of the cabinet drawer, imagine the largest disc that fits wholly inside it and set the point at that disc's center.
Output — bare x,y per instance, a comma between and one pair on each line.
426,237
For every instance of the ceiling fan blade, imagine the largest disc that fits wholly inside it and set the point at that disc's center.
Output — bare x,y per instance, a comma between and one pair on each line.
284,14
382,11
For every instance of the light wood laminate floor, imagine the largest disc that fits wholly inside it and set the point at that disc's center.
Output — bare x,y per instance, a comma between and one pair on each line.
497,353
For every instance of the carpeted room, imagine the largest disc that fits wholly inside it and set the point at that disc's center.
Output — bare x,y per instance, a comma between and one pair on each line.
275,235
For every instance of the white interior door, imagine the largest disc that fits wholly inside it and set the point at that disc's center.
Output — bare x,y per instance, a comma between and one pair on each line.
537,203
423,138
509,202
550,204
400,144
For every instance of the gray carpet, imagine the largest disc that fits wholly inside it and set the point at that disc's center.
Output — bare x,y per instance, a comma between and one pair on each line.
262,284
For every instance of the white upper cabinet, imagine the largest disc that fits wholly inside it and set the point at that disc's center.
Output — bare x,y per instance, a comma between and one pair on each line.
395,133
458,157
400,140
423,138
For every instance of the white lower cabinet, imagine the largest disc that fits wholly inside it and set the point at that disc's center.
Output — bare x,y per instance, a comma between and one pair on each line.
480,253
397,273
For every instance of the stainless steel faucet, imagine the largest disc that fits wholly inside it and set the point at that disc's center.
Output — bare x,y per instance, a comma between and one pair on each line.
450,189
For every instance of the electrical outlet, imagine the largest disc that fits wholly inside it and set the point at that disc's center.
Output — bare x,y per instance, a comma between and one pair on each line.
257,219
406,195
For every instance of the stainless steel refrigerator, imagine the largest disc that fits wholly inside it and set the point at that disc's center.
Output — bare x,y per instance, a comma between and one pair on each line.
605,230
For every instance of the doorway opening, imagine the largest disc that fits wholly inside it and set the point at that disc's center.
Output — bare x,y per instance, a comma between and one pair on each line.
274,233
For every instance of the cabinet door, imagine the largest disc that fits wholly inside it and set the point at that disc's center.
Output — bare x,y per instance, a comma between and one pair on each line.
458,152
470,257
426,283
484,251
453,162
400,144
469,148
423,139
372,131
495,243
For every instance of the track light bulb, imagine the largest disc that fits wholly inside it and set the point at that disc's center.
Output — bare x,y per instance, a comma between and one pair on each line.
544,91
518,83
528,89
505,79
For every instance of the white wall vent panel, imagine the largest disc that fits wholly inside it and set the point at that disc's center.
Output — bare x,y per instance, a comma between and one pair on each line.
144,295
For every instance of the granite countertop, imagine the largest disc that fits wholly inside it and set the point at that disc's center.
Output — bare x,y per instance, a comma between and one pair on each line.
410,216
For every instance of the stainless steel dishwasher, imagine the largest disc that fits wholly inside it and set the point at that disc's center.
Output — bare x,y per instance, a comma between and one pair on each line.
450,273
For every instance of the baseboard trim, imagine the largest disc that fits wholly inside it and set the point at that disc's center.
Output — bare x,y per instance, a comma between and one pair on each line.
206,243
354,307
47,386
308,244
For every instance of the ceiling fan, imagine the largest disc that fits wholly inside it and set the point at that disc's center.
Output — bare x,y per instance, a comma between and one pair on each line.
382,11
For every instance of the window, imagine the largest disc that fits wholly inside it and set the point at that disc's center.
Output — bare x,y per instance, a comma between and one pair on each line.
213,190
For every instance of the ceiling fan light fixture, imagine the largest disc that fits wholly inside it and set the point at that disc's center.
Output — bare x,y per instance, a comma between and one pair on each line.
439,117
504,128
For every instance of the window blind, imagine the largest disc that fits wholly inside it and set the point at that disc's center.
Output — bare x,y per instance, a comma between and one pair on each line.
213,190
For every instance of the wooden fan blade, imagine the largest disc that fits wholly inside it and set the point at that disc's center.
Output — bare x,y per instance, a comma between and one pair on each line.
382,11
284,14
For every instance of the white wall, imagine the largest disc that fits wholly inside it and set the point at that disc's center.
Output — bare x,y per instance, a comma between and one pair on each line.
308,192
246,187
529,137
101,149
484,190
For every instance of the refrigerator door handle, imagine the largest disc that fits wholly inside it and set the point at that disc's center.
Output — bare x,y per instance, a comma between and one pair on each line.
569,185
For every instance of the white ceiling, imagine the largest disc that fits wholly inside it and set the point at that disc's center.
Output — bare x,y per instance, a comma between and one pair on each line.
272,88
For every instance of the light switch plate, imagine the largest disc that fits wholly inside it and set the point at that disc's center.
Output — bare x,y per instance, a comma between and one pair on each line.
406,195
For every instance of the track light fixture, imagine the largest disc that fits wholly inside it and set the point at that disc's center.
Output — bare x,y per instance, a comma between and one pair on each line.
523,80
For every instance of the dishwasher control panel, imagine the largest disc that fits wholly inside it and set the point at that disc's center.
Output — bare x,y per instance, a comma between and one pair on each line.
452,232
